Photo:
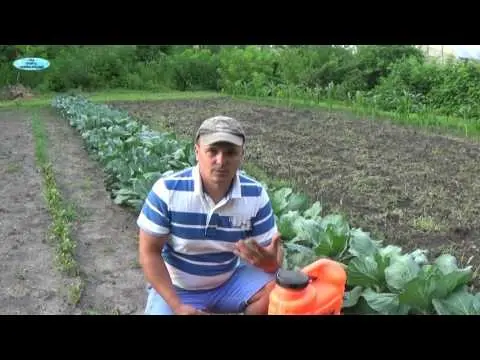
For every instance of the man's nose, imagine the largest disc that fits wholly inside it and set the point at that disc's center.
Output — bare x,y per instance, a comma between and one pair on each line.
220,157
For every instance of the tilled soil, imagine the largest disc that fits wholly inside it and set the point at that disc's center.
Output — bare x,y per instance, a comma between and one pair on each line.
408,187
30,283
106,234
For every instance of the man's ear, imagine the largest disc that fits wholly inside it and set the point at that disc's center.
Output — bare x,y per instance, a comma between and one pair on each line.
196,149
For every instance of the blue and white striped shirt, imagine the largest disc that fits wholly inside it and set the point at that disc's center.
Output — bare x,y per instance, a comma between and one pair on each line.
198,254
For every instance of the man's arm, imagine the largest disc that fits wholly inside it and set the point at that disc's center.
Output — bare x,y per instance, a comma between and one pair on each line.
154,224
150,249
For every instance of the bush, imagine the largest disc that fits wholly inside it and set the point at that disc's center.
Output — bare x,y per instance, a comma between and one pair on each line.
393,78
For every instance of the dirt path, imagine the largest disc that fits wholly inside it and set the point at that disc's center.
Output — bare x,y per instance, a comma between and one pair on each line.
409,187
105,233
29,282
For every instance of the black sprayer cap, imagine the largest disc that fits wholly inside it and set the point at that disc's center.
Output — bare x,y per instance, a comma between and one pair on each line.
290,279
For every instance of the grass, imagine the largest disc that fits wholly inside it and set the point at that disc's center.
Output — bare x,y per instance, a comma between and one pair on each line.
112,95
40,137
75,292
61,213
427,224
13,168
129,95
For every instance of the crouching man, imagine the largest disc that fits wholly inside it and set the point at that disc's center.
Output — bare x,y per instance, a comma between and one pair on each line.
208,242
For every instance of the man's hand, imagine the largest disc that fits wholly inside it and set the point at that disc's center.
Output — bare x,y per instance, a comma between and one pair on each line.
268,258
188,310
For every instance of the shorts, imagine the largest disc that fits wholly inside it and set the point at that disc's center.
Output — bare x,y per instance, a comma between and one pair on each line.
231,297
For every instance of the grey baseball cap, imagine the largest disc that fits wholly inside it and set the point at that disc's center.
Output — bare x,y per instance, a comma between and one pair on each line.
221,128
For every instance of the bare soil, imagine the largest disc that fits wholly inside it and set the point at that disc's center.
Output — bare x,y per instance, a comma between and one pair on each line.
30,283
104,232
405,186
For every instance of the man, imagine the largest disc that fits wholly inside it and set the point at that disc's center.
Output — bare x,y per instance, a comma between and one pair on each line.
208,241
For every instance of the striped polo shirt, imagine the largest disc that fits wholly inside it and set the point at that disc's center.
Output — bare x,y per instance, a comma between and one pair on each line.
198,254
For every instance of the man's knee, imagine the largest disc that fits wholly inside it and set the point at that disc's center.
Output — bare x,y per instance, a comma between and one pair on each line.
156,305
258,303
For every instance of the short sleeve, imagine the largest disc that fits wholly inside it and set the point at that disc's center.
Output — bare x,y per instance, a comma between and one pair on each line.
263,224
154,216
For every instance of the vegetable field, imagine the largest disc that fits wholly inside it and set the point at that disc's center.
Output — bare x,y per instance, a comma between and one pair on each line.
417,189
397,206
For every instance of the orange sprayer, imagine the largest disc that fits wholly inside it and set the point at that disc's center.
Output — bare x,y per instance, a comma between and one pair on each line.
318,289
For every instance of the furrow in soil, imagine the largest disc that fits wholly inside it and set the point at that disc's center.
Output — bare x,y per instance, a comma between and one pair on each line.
105,233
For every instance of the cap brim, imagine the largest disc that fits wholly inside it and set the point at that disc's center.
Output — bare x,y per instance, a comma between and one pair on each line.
209,139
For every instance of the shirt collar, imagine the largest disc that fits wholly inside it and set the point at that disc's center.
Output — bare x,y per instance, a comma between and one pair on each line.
235,192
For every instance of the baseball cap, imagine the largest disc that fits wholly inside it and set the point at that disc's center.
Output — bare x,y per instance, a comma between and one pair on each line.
221,128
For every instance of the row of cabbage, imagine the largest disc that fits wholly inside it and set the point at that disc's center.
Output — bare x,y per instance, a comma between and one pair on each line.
381,279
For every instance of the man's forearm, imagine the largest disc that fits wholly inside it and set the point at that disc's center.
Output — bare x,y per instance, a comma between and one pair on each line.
157,275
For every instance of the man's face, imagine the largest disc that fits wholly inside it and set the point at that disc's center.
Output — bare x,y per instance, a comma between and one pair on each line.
218,162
